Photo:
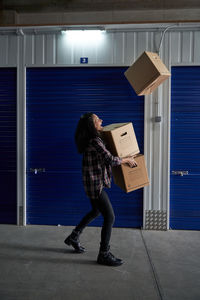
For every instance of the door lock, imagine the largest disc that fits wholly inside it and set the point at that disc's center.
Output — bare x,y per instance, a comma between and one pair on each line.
180,173
37,170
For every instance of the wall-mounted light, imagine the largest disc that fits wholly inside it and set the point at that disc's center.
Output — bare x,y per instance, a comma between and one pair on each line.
84,35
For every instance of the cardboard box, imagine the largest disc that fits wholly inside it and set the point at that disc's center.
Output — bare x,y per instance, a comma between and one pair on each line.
120,139
147,73
130,179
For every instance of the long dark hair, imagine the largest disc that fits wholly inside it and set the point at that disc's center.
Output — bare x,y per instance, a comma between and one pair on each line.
85,131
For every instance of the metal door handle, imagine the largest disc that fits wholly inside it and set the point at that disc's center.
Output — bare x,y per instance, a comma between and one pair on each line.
180,173
37,170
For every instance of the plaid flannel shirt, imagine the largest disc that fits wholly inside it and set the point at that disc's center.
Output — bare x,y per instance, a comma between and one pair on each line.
96,167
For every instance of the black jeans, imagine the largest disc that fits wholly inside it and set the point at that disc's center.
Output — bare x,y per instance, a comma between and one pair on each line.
101,205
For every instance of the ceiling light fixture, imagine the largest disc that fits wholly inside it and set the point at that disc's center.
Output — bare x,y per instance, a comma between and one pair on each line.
84,35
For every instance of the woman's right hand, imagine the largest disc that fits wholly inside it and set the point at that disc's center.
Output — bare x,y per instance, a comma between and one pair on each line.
130,161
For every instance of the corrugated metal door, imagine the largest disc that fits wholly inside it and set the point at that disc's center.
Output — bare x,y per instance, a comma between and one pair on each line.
8,199
56,97
185,149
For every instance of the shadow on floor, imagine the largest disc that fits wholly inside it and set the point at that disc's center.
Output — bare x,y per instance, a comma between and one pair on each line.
36,253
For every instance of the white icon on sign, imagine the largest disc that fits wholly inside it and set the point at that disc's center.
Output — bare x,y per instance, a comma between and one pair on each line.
84,60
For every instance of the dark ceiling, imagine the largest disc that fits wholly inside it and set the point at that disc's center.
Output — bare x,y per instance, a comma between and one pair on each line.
21,6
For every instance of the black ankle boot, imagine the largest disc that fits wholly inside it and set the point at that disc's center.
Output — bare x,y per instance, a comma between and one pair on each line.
73,240
108,259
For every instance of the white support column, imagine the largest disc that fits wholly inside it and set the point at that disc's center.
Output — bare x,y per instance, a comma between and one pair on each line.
21,133
147,191
155,216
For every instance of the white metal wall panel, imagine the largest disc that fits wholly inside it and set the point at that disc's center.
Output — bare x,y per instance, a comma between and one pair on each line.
186,47
180,47
175,47
117,48
12,55
39,49
3,50
141,42
29,58
63,53
129,47
88,51
50,49
105,50
196,47
120,48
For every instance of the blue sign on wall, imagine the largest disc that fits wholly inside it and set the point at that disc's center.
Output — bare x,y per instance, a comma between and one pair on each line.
84,60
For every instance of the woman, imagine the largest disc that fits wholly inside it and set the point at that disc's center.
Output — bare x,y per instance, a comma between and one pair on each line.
96,170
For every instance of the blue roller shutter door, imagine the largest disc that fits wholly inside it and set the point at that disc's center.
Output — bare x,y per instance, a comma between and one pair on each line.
56,97
8,199
185,149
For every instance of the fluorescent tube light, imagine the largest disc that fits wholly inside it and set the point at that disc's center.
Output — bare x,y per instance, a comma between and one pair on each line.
84,36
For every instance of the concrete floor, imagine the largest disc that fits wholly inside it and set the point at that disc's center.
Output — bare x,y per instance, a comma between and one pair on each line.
36,265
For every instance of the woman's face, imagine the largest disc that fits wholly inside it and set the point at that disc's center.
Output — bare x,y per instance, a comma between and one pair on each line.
97,122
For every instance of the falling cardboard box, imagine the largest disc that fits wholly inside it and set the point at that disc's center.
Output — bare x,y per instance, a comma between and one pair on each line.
121,141
147,73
